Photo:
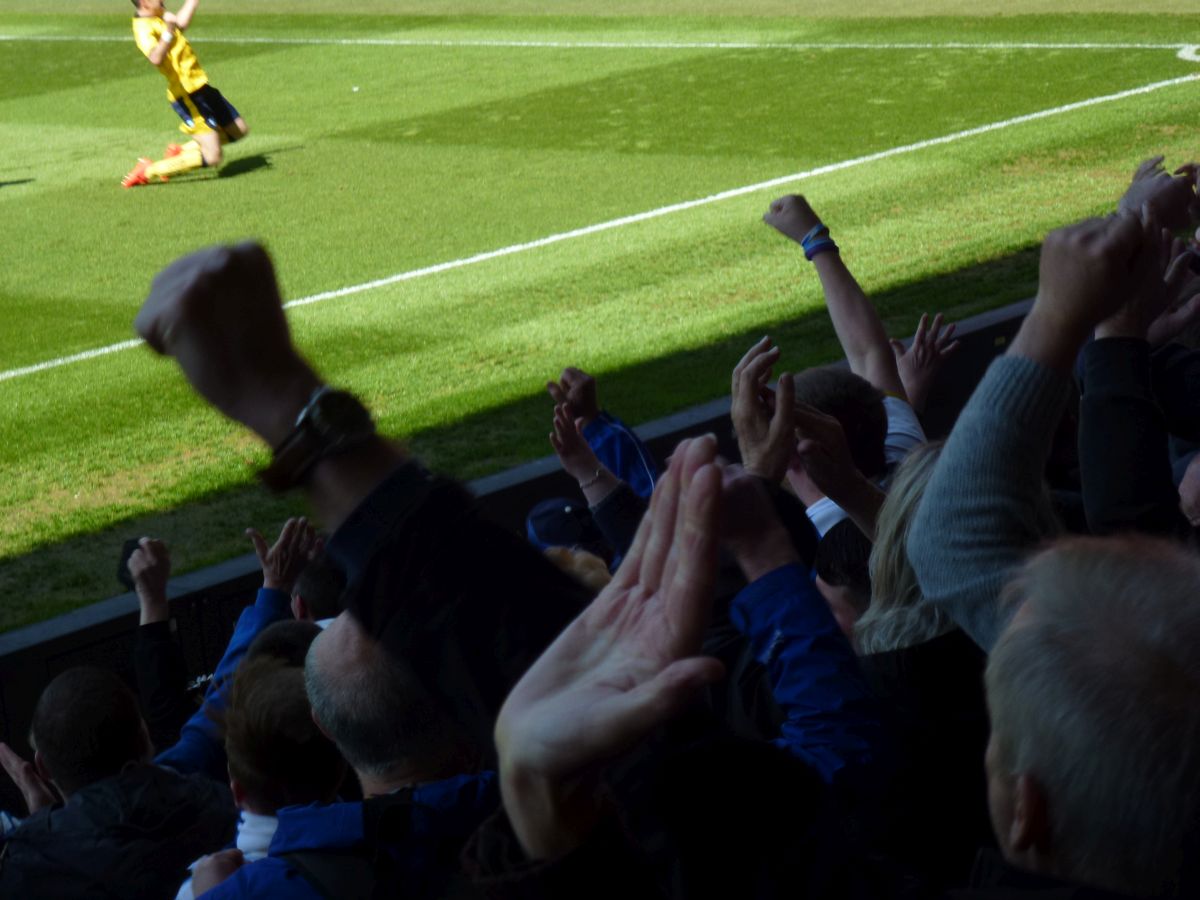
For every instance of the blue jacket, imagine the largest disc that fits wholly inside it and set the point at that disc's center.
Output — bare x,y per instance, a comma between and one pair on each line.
833,720
200,747
442,811
622,453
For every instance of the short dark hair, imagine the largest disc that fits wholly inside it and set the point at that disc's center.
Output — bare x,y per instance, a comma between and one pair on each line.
136,5
321,585
276,751
287,641
87,726
858,407
843,560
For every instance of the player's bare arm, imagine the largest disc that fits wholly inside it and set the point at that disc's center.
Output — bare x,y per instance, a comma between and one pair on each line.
183,18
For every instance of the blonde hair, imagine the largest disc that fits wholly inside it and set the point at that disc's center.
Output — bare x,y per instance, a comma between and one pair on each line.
586,568
898,615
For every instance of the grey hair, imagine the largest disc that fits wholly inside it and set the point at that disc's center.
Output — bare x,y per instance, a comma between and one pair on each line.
375,711
1094,692
898,615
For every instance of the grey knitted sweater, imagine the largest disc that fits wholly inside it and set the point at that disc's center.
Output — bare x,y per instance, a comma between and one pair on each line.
986,507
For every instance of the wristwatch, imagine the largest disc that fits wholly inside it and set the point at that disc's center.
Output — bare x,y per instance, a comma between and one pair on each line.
332,422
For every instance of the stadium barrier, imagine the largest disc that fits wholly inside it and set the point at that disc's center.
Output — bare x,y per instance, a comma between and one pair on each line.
206,603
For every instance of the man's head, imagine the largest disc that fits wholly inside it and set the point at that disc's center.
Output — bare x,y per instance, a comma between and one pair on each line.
858,407
87,726
277,755
1094,761
317,594
148,7
287,641
383,721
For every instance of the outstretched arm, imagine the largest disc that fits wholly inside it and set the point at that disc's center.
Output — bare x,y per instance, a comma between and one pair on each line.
218,312
200,747
983,510
183,18
858,327
396,530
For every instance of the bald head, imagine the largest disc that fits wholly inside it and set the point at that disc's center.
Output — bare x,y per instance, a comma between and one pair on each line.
383,721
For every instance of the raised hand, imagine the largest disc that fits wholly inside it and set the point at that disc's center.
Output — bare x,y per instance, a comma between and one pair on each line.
573,451
791,216
1161,271
1171,199
762,420
283,562
824,455
919,363
150,568
38,793
624,666
577,389
218,312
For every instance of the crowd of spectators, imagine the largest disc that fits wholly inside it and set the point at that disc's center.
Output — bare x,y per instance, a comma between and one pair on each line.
854,664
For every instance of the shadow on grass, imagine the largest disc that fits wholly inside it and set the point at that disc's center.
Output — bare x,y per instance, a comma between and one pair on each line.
4,184
244,166
61,576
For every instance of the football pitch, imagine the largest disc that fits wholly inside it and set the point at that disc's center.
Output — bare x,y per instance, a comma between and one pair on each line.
461,199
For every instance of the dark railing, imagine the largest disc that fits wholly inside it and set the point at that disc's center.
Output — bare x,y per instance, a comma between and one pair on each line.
205,604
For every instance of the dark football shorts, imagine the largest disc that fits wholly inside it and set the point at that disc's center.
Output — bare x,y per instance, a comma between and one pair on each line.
208,106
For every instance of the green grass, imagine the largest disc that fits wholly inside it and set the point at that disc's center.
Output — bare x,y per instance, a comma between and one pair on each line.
449,151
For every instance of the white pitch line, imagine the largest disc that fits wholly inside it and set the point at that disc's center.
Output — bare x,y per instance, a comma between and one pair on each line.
655,213
620,45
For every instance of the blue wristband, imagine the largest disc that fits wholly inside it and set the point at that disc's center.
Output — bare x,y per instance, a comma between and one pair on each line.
818,230
823,245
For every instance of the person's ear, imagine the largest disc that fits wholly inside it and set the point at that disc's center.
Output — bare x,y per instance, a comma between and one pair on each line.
39,765
300,609
239,792
321,728
1030,827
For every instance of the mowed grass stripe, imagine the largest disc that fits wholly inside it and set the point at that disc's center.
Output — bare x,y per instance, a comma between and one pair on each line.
660,310
404,355
524,44
629,220
681,156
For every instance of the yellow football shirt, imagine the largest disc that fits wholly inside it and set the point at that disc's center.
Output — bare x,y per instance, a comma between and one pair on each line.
180,66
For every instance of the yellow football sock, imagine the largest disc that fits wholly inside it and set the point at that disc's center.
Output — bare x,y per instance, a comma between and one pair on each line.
190,158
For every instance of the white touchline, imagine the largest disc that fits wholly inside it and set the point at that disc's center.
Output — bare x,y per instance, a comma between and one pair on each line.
651,214
623,45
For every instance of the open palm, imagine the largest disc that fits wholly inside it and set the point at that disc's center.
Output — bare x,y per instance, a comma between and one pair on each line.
628,662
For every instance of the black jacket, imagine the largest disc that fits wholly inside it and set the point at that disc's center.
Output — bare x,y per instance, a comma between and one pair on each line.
132,835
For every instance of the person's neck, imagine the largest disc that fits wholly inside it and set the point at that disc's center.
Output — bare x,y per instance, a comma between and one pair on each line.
381,785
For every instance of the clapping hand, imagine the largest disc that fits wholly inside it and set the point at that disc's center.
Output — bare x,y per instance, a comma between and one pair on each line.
577,389
1171,199
38,793
628,663
762,419
283,562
